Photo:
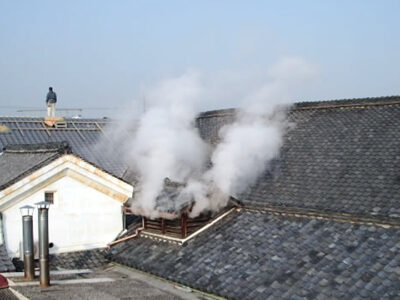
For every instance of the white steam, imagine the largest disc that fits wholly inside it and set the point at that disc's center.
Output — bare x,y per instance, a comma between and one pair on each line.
167,144
255,138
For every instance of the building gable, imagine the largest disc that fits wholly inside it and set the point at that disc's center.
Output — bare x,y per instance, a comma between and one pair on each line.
66,165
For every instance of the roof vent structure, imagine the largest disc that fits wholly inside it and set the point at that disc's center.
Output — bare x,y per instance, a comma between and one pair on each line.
174,221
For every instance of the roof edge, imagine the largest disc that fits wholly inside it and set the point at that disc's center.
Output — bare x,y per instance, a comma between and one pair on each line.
217,112
305,105
342,217
383,100
56,147
78,169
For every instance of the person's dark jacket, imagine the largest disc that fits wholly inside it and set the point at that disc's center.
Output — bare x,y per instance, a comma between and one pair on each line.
51,97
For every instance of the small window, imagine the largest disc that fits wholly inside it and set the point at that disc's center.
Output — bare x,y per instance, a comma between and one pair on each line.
49,197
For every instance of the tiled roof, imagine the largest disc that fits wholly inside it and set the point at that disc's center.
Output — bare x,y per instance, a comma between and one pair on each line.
7,294
341,156
21,160
323,223
209,123
83,135
254,255
338,162
86,259
5,262
170,200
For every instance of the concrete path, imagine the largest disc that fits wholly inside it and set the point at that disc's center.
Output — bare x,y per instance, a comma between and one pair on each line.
113,282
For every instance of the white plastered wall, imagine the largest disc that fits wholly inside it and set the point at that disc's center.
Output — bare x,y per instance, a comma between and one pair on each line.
80,218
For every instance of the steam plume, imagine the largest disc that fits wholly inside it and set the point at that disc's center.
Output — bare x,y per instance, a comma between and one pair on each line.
255,138
167,144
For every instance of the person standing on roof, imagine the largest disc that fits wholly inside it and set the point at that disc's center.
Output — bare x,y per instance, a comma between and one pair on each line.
51,100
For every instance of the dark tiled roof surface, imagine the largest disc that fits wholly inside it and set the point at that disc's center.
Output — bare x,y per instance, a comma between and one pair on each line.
83,136
338,158
21,160
170,199
349,102
6,264
252,255
339,161
209,123
6,294
87,259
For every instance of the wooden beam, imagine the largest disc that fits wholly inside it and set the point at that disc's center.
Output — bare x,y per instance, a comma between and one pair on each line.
163,226
19,128
99,127
102,131
184,225
73,124
44,126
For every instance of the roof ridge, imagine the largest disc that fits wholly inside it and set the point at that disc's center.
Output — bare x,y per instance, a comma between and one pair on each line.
57,147
383,100
323,104
342,217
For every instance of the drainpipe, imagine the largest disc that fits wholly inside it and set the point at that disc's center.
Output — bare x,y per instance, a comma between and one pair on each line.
123,218
27,229
137,231
43,208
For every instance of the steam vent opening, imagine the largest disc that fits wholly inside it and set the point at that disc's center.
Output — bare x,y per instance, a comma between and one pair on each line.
175,220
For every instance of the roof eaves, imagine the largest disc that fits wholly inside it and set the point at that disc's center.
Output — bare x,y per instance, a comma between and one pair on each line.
308,105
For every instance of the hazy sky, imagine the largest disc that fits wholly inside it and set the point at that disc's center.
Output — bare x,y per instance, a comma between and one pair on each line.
104,54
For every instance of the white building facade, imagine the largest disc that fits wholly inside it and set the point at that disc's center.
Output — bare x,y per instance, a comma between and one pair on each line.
86,211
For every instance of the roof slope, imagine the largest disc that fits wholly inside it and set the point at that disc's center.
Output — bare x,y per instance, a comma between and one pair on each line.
338,174
253,255
5,262
83,136
341,156
21,160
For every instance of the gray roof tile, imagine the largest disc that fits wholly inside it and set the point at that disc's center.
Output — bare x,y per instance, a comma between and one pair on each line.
337,158
284,257
86,259
21,160
6,264
83,136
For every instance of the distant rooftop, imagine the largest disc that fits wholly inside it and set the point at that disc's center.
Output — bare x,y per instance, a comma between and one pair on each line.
83,136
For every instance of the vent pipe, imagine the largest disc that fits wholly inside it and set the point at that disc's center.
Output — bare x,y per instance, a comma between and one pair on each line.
43,208
27,239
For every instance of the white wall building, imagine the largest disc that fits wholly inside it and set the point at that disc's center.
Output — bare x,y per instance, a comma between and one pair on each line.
86,211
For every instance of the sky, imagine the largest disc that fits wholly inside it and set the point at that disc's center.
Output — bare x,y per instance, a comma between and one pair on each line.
103,56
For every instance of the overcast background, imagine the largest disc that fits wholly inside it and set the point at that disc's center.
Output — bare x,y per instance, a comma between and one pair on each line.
101,55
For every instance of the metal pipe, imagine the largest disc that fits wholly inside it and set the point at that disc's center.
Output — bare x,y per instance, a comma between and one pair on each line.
44,275
27,228
123,218
137,231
